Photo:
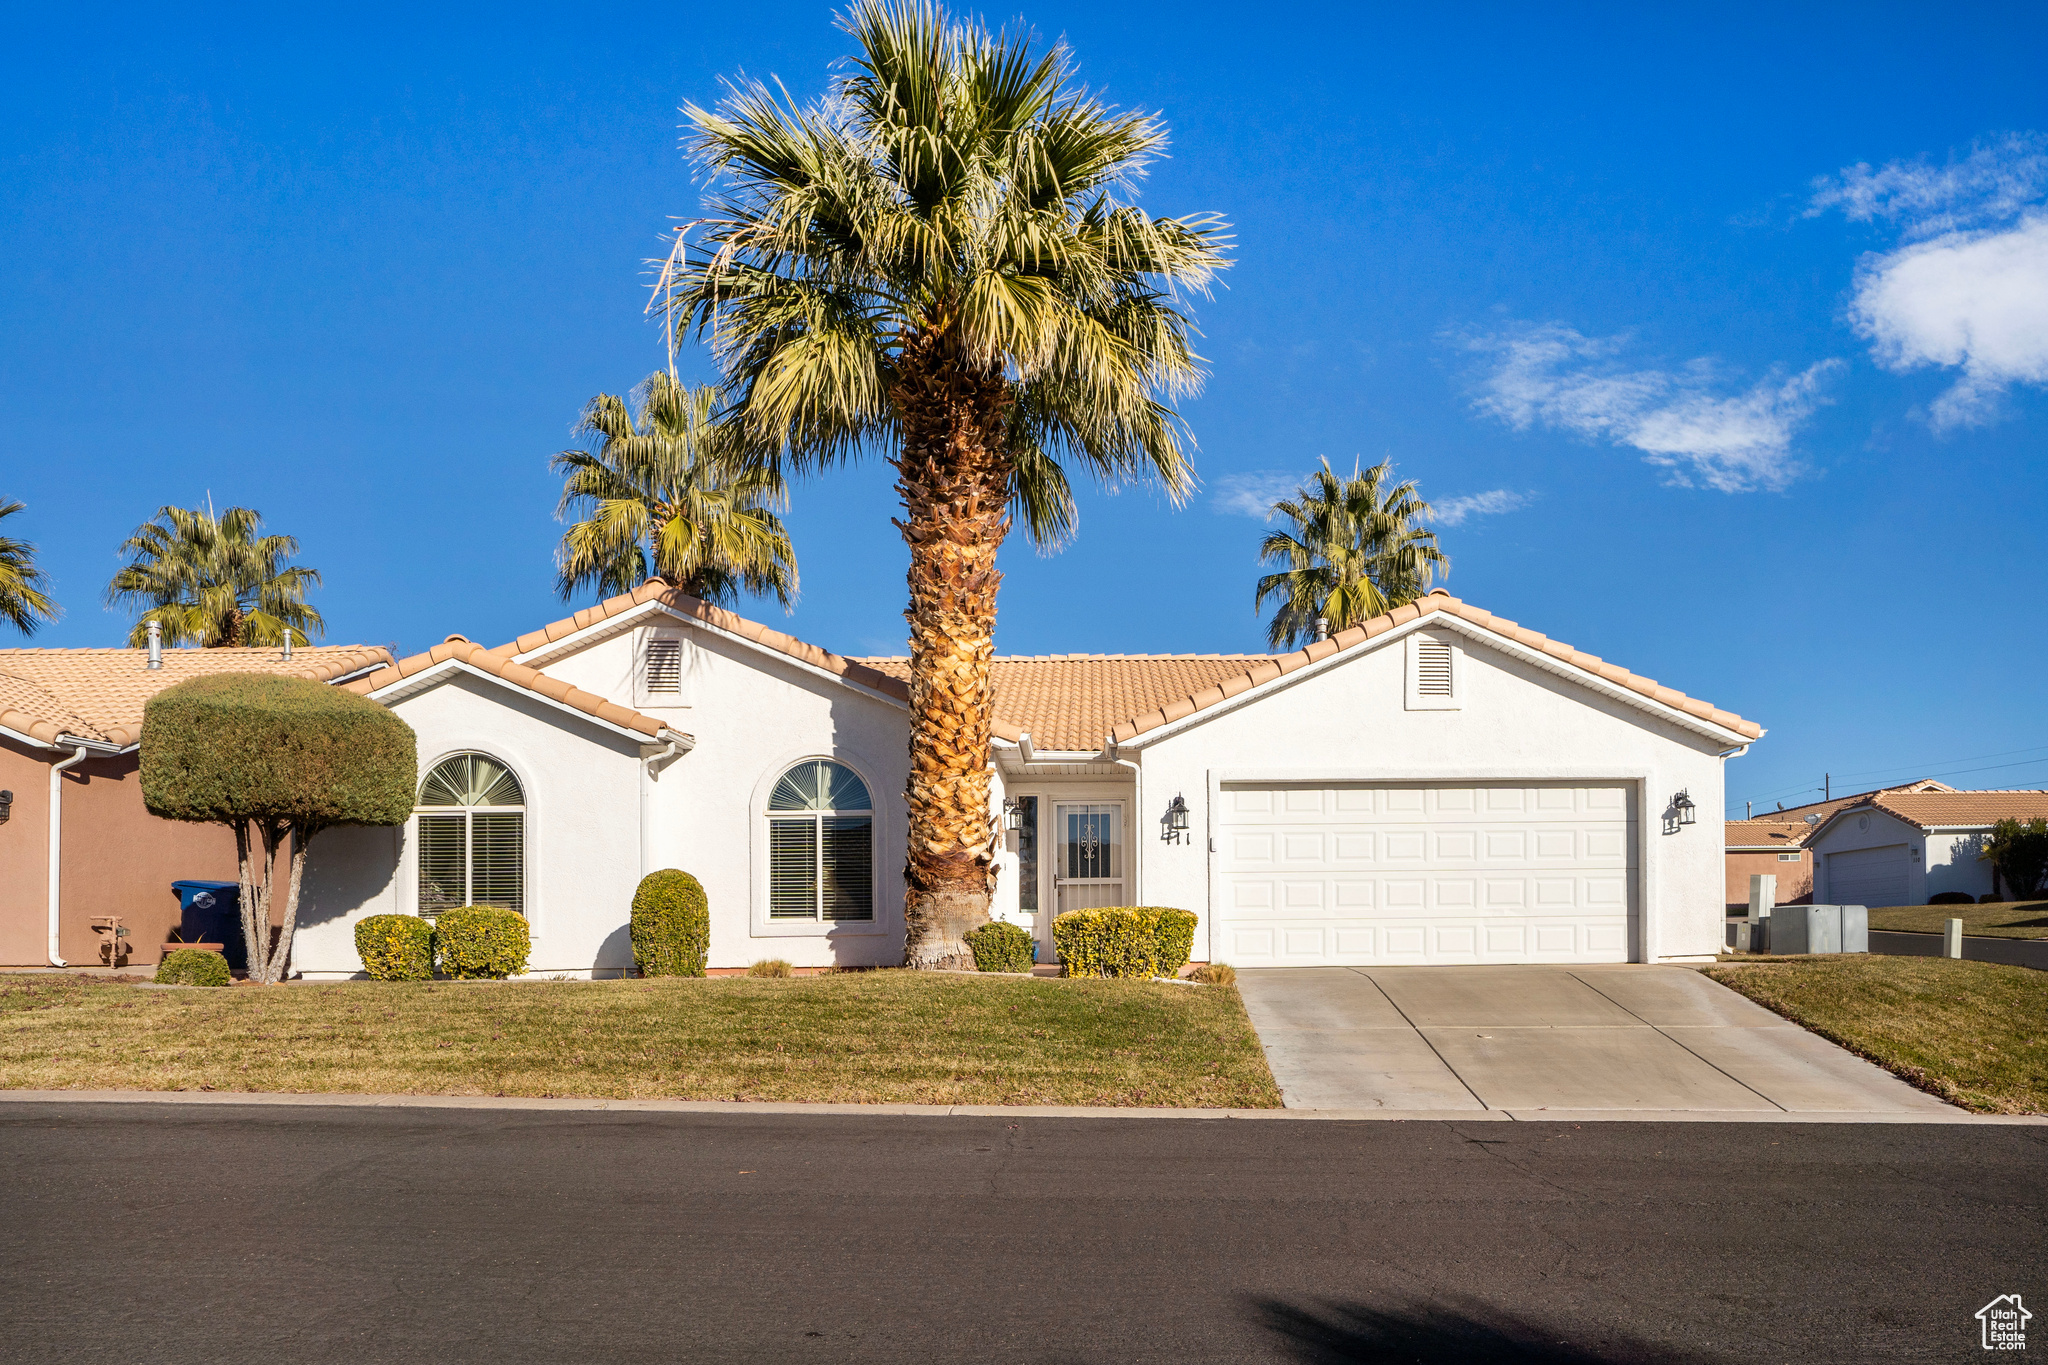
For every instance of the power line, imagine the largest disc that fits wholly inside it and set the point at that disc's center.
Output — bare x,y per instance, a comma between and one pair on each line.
1916,768
1949,772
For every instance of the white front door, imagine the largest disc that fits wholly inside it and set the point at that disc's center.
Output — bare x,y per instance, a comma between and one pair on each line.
1311,874
1088,854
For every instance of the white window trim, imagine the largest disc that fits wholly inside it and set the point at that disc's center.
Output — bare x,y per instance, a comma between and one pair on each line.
888,910
1412,698
531,854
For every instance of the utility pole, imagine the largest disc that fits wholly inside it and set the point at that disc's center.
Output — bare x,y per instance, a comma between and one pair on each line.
1827,786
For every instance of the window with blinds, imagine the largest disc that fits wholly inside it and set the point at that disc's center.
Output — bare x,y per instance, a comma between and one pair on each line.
821,845
470,829
664,667
1432,668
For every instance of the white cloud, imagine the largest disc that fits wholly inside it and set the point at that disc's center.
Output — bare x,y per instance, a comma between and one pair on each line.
1682,420
1991,185
1969,289
1494,502
1253,494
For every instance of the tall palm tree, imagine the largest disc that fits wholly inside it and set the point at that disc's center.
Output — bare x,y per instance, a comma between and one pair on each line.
214,581
938,262
659,498
1351,552
23,603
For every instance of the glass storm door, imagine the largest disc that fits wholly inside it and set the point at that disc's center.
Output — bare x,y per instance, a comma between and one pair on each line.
1088,854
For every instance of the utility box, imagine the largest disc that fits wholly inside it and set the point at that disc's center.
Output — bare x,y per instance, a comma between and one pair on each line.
1820,929
1855,928
1763,894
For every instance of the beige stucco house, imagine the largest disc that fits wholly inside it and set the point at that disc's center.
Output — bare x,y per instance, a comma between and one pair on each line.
1437,785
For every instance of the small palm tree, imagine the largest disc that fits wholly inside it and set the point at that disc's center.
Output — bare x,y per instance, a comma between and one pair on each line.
939,263
23,603
1351,553
660,499
215,581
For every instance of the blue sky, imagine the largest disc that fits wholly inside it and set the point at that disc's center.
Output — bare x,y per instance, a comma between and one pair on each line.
1714,402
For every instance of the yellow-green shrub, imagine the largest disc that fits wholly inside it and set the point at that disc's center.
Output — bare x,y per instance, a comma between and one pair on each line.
396,947
671,924
1124,940
771,966
1000,946
481,942
192,967
1216,974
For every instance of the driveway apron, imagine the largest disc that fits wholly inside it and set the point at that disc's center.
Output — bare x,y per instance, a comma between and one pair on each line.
1581,1038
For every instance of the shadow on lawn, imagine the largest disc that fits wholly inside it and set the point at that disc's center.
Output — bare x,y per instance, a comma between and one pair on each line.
1464,1330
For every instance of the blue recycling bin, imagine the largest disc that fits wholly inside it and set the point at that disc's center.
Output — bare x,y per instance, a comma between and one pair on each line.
211,912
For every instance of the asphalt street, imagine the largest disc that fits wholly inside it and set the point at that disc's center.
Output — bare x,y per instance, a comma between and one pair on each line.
175,1234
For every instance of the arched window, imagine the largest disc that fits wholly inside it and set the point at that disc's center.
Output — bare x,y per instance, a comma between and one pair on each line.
472,836
821,845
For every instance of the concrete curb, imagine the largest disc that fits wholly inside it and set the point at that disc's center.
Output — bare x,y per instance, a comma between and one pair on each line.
252,1099
2010,952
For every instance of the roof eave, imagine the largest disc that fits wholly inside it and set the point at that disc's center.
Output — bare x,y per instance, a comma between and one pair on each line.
435,674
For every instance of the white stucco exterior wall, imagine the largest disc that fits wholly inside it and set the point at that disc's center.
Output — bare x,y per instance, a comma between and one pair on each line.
1514,720
582,832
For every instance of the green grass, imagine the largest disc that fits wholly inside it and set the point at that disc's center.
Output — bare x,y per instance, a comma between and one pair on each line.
2005,919
1974,1033
855,1037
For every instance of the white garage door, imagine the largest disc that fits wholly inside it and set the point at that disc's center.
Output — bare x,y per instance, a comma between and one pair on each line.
1382,873
1869,876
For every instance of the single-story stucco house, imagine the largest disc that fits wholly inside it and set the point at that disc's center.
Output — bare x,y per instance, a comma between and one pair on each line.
1437,785
1903,847
75,840
1774,848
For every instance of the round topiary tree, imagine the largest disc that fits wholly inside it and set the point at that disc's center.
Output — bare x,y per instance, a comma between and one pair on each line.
671,924
277,760
192,967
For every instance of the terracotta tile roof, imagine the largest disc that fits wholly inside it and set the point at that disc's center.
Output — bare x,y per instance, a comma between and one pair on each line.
50,693
1824,809
1754,834
1168,687
1074,701
498,663
682,604
1930,809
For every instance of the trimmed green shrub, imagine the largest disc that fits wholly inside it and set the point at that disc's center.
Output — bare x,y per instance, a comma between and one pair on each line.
241,746
671,924
771,966
193,967
396,947
481,942
1000,947
1124,940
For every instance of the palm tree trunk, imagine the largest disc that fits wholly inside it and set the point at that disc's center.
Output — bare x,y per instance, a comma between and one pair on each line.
955,492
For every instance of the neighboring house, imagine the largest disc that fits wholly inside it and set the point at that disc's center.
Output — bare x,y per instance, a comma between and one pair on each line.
1774,848
1905,847
75,841
1437,785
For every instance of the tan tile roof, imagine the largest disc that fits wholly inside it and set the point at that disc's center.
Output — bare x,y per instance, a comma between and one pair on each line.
49,693
1753,834
1074,701
498,663
1824,809
1930,809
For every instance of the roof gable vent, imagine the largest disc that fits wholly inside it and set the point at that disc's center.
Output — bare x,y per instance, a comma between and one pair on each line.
664,667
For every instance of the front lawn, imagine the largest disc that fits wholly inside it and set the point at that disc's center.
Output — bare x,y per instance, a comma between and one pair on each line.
2004,919
1974,1033
854,1037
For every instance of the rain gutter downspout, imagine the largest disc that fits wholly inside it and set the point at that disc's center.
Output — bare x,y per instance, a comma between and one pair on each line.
1138,802
653,758
56,887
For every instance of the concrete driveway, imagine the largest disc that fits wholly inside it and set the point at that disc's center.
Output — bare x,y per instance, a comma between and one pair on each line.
1551,1041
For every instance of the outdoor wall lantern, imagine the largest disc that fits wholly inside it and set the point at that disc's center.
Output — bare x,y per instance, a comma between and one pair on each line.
1679,813
1173,826
1013,815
